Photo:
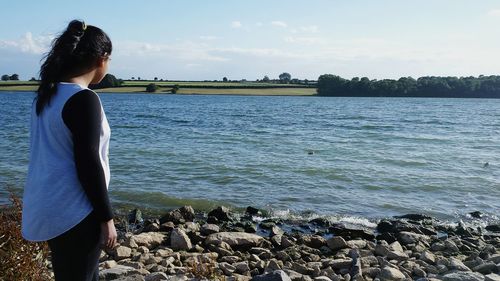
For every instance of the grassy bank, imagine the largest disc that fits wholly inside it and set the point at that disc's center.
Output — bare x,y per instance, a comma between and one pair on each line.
190,88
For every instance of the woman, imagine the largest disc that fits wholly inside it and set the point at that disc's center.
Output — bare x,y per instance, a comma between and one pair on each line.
65,198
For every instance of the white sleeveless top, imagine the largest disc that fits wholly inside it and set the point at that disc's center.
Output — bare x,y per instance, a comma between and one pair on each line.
54,200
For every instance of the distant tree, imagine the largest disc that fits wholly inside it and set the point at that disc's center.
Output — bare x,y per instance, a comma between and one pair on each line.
109,81
33,79
151,88
266,79
295,81
156,78
14,77
133,78
175,89
224,79
139,78
285,77
5,77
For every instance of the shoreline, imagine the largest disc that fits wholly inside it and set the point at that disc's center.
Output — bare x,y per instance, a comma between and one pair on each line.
222,245
219,244
280,91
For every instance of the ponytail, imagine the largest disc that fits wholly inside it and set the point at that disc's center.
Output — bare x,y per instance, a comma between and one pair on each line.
73,52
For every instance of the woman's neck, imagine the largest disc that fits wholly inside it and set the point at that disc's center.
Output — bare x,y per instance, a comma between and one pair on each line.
83,80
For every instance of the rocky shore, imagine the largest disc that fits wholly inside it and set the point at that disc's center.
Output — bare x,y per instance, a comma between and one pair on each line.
220,245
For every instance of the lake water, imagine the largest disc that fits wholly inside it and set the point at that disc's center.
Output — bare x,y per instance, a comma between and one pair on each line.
296,156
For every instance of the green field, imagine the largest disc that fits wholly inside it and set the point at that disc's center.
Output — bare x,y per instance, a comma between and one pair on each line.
208,84
188,88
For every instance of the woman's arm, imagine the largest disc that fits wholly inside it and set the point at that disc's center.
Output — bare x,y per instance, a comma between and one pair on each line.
82,115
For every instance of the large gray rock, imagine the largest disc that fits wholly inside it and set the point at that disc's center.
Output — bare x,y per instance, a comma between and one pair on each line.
278,275
336,243
156,276
463,276
458,265
392,252
209,228
235,239
492,277
485,268
411,238
428,257
495,259
148,239
122,252
179,240
391,274
117,272
180,215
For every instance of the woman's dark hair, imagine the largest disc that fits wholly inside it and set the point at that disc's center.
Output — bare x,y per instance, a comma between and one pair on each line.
73,52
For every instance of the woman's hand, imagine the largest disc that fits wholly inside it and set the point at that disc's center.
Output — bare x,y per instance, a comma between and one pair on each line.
108,234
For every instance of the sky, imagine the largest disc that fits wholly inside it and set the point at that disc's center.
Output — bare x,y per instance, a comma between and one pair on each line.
208,40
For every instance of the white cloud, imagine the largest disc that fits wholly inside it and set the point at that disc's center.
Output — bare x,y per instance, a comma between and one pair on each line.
279,24
494,13
28,44
303,40
310,29
208,37
185,51
236,24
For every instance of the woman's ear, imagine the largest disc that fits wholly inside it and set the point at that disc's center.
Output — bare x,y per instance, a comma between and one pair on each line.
100,62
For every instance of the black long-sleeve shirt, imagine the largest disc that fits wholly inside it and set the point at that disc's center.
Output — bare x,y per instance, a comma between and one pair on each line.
82,115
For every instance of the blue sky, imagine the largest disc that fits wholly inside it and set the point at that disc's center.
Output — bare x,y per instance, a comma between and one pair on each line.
206,40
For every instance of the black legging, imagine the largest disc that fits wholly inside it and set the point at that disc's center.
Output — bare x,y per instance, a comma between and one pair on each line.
75,253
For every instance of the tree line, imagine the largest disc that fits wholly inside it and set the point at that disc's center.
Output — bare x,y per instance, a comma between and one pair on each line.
428,86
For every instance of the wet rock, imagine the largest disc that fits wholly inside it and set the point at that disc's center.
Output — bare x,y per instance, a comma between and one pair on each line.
276,230
321,222
221,213
135,217
351,233
414,217
252,211
177,216
493,227
476,214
